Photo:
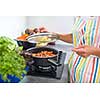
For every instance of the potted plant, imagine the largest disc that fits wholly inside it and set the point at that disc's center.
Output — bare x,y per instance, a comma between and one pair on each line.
12,64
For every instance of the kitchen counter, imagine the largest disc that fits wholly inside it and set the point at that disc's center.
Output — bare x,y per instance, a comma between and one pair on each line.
60,46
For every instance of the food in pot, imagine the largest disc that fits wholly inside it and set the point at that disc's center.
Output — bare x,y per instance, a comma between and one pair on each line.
41,44
44,54
23,37
29,31
45,39
36,30
40,40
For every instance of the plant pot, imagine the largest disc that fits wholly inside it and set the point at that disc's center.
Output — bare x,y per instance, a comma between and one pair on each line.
13,79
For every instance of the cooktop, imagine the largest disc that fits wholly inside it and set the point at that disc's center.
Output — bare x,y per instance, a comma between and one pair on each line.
50,72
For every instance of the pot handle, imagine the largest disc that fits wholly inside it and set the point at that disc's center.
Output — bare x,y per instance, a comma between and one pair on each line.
29,63
26,54
58,60
59,56
53,62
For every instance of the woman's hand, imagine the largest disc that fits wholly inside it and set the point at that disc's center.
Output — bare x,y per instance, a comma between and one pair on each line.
84,51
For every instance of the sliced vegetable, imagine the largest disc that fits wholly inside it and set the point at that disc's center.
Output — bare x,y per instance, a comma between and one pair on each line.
23,37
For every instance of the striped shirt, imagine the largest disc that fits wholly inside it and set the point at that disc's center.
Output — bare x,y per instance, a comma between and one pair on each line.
85,32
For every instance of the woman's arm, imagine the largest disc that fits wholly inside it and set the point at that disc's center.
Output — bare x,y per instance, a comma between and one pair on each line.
65,37
96,51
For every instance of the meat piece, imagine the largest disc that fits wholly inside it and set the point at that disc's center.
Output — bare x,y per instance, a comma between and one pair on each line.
43,54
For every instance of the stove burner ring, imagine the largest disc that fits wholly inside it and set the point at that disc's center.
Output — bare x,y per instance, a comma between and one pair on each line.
44,68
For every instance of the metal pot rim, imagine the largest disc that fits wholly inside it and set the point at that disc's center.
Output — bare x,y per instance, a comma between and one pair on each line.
43,47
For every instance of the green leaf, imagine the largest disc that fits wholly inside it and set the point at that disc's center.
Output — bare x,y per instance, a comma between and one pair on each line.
11,62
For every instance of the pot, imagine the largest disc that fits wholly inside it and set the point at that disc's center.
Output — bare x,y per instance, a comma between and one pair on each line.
43,61
26,45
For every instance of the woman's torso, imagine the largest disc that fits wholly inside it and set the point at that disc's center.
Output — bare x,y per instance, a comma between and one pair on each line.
85,32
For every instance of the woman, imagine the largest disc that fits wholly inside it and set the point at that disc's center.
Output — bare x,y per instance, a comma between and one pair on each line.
86,39
84,63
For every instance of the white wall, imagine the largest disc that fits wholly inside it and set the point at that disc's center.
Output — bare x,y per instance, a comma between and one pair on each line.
12,26
52,23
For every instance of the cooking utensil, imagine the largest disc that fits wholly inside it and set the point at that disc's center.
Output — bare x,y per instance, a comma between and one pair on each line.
43,61
41,38
26,45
